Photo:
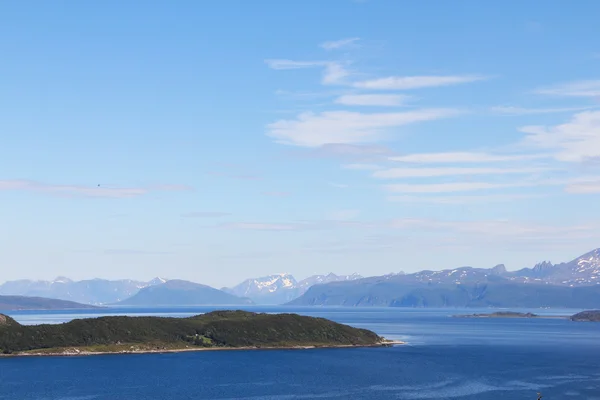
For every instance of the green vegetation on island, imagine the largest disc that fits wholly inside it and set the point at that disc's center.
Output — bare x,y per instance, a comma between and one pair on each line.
587,316
214,330
38,303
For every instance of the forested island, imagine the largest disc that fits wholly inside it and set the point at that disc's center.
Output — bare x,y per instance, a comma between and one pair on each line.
587,316
218,330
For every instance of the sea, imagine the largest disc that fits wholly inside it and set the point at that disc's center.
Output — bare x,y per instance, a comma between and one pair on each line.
443,358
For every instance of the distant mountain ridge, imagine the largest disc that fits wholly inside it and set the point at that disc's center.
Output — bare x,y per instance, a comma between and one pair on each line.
91,291
10,303
282,288
575,284
177,292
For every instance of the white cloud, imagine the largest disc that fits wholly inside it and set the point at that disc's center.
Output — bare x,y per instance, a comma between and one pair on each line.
314,130
460,200
338,44
257,226
102,191
589,88
385,100
575,141
280,64
529,111
205,214
343,215
584,188
333,72
362,167
416,82
463,157
452,171
459,186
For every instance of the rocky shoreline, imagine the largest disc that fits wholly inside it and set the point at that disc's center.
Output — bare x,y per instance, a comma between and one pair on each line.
77,352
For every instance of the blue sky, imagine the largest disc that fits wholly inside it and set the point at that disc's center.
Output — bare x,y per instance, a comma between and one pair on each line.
236,139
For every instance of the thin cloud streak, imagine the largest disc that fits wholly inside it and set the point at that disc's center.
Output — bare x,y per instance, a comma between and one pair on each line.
589,88
338,44
461,186
333,72
205,214
515,111
416,82
345,127
381,100
393,173
102,191
464,157
461,200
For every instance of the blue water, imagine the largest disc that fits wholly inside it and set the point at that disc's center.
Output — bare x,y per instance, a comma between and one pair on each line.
446,358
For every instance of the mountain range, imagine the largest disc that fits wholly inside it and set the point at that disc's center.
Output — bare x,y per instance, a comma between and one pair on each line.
92,291
177,292
574,284
282,288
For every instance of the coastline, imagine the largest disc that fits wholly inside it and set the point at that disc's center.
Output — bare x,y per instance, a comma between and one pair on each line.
76,352
512,316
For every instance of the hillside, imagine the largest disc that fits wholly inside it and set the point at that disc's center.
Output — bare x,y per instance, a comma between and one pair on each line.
8,303
182,293
587,316
90,291
219,329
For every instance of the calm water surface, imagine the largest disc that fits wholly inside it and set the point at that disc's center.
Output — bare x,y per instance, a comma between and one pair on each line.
447,358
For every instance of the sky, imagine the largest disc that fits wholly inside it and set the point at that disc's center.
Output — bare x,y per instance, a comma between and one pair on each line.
217,141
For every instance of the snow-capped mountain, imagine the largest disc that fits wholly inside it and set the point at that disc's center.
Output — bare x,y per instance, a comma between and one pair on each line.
582,271
574,284
92,291
281,288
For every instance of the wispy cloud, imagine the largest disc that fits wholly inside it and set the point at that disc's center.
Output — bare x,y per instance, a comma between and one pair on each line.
333,72
281,64
205,214
460,186
338,44
589,88
259,226
464,157
317,129
133,252
584,187
513,111
575,141
460,200
362,167
95,191
383,100
393,173
416,82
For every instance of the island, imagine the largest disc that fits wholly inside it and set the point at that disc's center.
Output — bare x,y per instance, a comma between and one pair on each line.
500,314
587,316
11,303
217,330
